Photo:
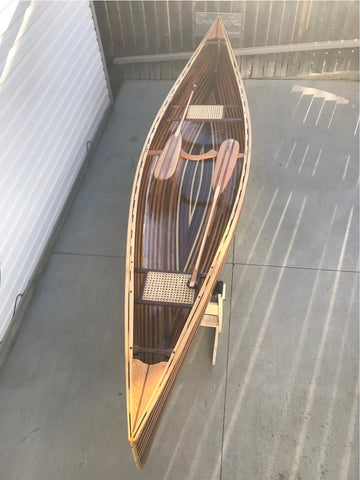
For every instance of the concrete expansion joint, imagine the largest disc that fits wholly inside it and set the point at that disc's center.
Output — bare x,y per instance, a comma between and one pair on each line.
293,267
80,254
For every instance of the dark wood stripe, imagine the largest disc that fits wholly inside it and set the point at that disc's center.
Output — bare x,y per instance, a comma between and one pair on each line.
226,106
167,352
213,120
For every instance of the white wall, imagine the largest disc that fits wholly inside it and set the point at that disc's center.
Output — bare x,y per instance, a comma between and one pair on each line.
53,95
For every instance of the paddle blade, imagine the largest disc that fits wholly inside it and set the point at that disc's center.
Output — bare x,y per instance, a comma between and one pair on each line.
169,157
225,164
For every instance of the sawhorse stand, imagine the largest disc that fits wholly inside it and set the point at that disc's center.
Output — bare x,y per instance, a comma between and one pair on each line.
213,314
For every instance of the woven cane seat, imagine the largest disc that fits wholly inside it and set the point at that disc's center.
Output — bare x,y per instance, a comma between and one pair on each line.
168,288
205,112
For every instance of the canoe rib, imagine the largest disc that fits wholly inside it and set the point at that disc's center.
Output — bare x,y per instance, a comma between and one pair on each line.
167,221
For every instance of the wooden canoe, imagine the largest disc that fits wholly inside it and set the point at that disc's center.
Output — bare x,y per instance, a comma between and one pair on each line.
187,195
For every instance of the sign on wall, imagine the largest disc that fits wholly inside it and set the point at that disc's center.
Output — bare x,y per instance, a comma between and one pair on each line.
203,20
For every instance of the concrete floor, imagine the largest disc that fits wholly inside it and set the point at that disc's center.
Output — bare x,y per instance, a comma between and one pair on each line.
281,402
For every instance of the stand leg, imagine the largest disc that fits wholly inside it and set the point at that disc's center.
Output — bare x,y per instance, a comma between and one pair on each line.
213,315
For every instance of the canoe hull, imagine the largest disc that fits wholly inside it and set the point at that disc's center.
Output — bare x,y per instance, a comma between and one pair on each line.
167,220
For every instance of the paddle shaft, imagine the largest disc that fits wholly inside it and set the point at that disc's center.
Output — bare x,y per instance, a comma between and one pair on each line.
177,133
224,167
193,280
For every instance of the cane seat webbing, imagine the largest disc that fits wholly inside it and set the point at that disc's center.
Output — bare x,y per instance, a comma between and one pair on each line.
167,287
205,112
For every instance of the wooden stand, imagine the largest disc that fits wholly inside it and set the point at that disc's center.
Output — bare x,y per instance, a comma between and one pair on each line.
213,314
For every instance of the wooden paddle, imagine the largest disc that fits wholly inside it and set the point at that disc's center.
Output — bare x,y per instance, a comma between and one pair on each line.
166,164
224,167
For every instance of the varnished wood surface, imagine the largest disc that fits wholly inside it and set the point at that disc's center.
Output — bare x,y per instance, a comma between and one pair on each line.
167,221
225,164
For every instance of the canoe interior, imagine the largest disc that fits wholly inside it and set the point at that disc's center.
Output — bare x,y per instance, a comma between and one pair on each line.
172,214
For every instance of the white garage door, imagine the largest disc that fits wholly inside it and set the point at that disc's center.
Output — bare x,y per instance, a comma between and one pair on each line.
53,95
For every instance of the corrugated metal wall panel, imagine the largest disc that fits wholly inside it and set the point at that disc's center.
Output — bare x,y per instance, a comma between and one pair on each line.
53,96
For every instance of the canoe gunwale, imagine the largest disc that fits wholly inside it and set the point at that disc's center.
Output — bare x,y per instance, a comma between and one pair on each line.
203,295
